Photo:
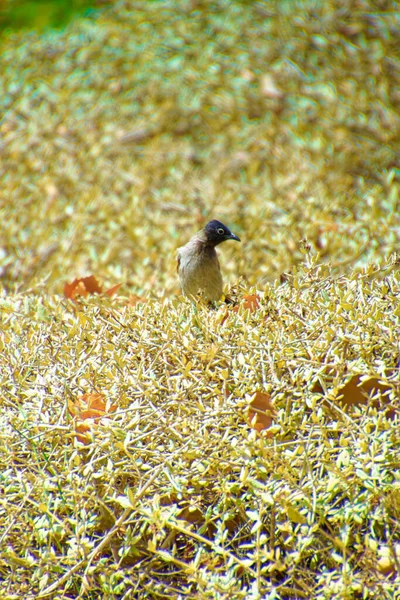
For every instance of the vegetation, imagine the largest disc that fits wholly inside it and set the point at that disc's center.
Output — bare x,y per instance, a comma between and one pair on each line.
152,448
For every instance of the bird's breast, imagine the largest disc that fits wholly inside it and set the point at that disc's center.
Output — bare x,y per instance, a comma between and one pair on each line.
199,270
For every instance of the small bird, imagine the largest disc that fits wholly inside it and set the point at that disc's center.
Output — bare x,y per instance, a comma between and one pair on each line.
198,265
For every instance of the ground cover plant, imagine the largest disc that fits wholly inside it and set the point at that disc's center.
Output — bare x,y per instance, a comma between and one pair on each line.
154,448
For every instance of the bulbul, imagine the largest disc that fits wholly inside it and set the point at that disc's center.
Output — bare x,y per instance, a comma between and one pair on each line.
198,265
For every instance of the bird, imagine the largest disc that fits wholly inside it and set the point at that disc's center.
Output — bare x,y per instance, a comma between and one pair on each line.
198,265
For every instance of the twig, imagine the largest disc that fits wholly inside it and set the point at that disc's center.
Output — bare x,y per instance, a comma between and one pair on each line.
54,586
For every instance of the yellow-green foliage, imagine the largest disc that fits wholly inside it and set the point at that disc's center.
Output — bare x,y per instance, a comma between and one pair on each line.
120,137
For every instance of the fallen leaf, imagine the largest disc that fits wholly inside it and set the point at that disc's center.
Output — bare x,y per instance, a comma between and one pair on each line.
261,411
87,410
82,287
356,392
86,286
359,391
249,302
112,290
82,432
96,403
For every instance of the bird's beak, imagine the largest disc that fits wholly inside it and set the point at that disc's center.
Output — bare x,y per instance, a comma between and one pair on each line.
234,237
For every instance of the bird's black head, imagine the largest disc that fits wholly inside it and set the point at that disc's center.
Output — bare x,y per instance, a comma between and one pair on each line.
216,232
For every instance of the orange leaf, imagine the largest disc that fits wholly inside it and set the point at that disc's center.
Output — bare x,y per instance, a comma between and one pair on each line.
87,410
92,285
82,287
112,290
82,427
261,411
94,401
358,392
69,289
249,302
82,430
90,413
90,406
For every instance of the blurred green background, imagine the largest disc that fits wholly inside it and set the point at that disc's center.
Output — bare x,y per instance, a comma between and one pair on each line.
39,14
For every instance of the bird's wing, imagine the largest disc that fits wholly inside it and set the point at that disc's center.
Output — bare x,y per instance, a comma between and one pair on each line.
178,261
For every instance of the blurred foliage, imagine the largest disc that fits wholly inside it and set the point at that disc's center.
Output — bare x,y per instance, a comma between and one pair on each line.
39,14
123,134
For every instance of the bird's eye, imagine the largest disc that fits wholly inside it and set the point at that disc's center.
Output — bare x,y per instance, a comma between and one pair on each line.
220,231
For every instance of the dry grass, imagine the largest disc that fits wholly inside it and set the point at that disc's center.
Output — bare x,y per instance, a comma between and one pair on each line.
121,135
